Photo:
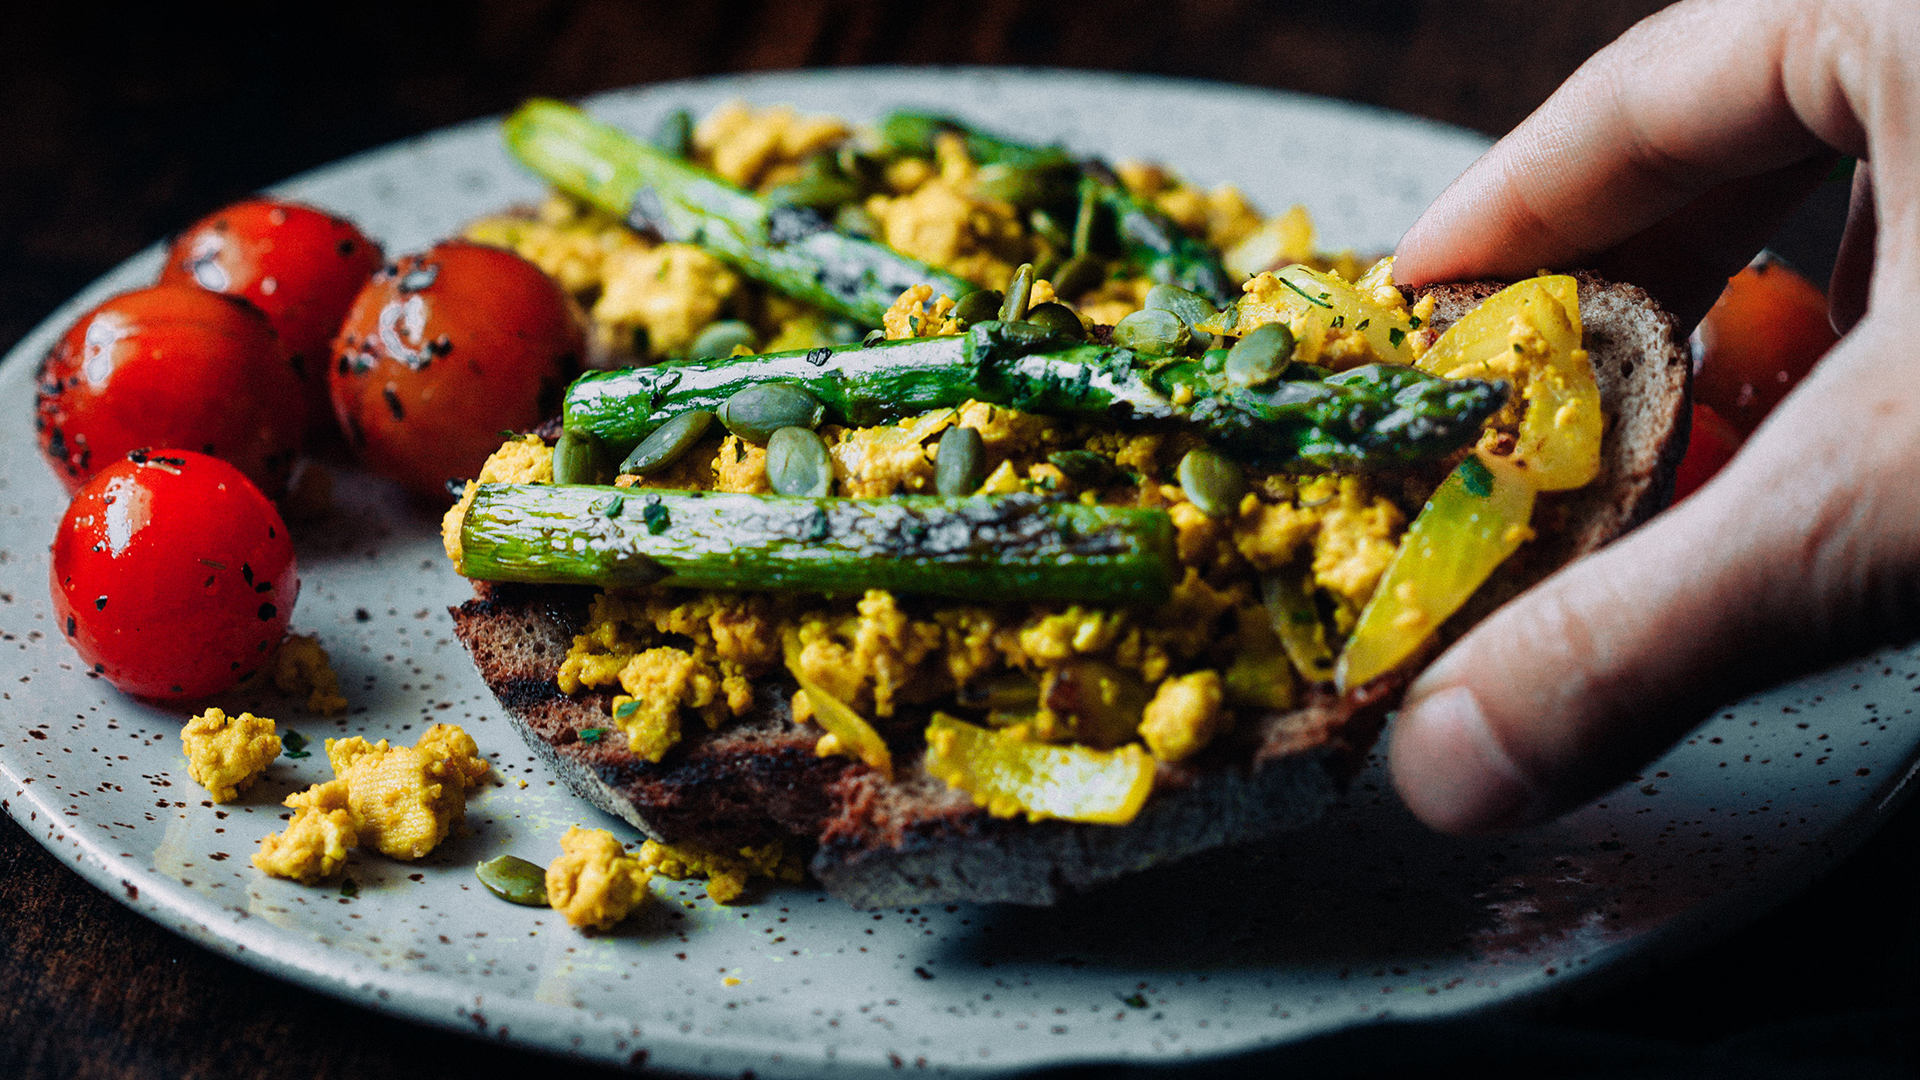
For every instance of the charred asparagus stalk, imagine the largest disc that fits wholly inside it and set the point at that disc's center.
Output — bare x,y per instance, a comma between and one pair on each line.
791,248
1368,417
1015,547
1149,241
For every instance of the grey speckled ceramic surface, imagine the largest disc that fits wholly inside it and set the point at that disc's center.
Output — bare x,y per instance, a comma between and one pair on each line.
1364,917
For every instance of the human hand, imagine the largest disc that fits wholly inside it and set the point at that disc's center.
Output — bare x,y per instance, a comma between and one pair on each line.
1666,160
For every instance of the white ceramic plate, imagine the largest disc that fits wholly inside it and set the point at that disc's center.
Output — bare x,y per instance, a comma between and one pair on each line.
1363,917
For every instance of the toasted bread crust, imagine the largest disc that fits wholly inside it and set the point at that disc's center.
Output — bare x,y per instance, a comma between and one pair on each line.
915,840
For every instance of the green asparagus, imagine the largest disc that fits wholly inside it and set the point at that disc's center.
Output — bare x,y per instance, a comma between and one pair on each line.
1369,417
1014,547
1149,241
791,248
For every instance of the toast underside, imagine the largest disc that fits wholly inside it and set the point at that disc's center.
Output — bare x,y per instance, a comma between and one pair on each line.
916,840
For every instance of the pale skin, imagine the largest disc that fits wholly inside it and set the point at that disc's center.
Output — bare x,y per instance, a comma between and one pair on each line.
1667,160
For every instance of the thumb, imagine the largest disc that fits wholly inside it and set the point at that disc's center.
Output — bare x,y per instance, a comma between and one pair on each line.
1802,551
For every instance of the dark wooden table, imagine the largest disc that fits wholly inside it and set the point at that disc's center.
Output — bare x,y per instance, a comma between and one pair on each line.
117,131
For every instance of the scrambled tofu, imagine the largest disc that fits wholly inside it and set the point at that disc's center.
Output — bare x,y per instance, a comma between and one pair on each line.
594,882
301,666
727,873
666,293
406,798
1184,715
400,800
569,241
757,148
940,221
226,754
316,841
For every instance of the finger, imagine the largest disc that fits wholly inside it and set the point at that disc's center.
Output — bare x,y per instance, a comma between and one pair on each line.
1799,553
1687,100
1853,265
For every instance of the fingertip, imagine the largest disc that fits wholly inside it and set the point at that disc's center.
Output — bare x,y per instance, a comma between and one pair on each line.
1451,770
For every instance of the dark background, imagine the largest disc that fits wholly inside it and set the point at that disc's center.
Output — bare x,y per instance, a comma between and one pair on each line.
116,131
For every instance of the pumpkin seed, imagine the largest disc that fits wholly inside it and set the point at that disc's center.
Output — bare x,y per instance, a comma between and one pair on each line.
1212,482
1019,290
675,134
1153,330
579,457
1010,184
798,463
514,880
667,443
854,220
1059,320
1192,308
960,462
719,338
1087,467
979,306
1080,274
1260,357
1214,361
757,412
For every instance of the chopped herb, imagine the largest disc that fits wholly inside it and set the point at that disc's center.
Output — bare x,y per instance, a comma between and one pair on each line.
349,888
1396,336
1340,321
1364,323
656,516
1322,302
1517,348
595,734
294,745
1134,1001
614,506
1413,322
1476,477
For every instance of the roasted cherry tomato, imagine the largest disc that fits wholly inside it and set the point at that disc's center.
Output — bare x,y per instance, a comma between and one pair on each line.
442,352
172,365
1763,335
1712,444
300,266
173,576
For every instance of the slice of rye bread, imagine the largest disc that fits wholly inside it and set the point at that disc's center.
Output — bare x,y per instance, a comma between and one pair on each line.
915,840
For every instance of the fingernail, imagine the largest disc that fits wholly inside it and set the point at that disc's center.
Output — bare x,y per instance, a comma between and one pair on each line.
1451,770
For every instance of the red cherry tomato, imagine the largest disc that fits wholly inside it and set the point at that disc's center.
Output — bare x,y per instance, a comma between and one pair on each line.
445,350
300,266
1763,335
171,365
1712,445
173,576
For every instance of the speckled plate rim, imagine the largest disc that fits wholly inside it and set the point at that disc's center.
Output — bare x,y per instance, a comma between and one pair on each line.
556,1029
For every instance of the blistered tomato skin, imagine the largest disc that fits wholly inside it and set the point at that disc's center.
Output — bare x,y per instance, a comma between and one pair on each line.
298,265
443,351
173,576
1762,336
171,365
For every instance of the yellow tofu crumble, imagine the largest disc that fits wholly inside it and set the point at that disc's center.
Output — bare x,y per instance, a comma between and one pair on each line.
226,754
594,882
402,801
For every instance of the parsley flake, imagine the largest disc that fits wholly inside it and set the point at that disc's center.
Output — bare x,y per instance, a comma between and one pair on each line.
1476,477
1303,294
294,745
1395,335
595,734
349,888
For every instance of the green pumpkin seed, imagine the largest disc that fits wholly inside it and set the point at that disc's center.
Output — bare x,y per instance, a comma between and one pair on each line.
1019,291
719,338
1047,228
909,134
514,880
854,220
1153,330
1059,320
757,412
798,463
1087,467
815,192
1212,482
579,457
960,462
1214,361
675,134
1080,274
667,443
979,306
1260,357
1083,217
1192,308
